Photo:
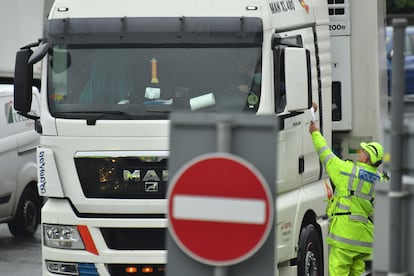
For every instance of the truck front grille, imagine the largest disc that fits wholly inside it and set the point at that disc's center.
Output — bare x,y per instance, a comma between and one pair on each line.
134,177
135,238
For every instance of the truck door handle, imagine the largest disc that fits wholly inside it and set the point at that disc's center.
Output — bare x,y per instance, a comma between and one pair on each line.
301,164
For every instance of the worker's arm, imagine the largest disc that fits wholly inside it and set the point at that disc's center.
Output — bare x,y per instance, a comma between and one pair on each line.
325,153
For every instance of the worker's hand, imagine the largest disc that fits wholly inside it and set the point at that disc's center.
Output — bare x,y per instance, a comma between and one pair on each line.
315,106
313,127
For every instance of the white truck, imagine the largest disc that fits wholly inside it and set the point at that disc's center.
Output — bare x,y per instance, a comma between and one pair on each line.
114,70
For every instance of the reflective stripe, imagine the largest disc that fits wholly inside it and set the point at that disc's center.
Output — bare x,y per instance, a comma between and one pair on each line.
348,174
322,149
348,241
359,187
358,218
351,179
372,190
364,196
327,158
342,206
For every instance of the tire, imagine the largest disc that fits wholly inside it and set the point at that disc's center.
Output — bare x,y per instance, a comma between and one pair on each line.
310,253
27,218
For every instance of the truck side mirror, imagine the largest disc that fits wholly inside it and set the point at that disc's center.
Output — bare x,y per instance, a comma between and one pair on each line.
297,79
23,75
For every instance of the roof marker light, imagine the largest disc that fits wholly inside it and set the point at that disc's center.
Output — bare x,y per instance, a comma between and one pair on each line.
62,9
251,8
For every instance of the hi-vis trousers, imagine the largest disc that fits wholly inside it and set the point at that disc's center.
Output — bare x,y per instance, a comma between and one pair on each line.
343,262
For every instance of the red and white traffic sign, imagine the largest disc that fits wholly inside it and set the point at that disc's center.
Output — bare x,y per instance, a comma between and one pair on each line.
220,209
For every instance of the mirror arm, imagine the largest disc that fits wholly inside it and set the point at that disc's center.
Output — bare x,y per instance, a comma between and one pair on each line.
29,116
39,53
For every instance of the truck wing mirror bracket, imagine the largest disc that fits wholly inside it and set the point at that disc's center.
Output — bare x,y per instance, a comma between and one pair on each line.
38,54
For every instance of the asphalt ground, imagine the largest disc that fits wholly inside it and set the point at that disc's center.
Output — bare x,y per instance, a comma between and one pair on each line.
20,256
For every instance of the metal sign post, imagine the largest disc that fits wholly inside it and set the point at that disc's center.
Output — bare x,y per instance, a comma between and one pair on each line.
221,195
394,205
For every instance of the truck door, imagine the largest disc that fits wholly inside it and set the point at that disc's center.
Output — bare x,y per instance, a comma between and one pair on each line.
296,151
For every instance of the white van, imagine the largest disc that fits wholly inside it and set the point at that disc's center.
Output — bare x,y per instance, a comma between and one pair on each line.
19,201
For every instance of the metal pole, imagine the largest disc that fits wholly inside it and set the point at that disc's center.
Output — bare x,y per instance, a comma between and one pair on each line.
224,136
397,109
220,271
223,145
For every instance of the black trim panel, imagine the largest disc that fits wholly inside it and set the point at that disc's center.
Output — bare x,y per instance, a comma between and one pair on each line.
155,30
5,199
286,116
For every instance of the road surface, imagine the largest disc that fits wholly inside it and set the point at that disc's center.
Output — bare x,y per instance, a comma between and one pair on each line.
20,256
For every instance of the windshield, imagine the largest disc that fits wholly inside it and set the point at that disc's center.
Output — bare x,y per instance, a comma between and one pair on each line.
148,83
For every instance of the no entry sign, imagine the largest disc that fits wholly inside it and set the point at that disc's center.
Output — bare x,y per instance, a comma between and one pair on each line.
220,209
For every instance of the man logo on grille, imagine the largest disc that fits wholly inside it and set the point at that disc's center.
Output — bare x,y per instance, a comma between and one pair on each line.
128,175
151,186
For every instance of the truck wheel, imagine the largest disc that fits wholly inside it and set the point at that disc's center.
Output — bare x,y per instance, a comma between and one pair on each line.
310,257
27,216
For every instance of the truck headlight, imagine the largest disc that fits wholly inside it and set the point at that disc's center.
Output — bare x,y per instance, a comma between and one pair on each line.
62,236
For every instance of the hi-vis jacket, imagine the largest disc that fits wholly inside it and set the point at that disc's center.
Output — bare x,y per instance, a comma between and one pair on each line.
351,208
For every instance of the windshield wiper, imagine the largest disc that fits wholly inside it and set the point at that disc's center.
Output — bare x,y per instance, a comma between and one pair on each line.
93,116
